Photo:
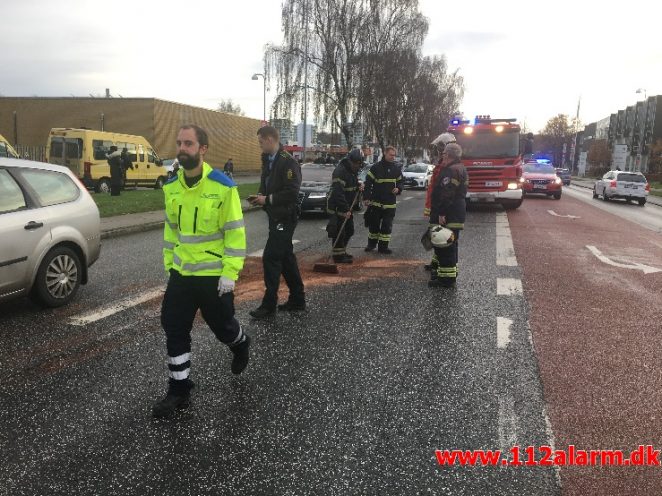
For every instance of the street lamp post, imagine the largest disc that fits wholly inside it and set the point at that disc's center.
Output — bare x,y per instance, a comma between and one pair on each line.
255,77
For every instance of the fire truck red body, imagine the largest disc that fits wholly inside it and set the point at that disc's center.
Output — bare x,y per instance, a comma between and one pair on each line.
491,154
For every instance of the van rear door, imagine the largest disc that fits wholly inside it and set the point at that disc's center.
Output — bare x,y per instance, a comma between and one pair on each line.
67,152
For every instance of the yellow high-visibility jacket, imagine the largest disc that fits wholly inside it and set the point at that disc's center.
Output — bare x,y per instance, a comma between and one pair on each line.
204,231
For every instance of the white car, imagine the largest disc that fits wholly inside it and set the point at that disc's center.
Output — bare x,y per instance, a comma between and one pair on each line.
624,185
417,175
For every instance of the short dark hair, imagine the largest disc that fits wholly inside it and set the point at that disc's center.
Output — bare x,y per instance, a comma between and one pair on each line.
200,134
268,132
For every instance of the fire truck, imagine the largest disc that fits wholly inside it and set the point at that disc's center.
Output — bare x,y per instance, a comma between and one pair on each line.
492,157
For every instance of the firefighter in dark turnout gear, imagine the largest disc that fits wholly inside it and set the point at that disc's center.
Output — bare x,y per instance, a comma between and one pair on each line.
382,184
344,188
448,208
279,197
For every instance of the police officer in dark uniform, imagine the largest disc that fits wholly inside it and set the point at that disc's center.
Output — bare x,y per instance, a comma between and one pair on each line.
382,184
344,188
279,197
448,208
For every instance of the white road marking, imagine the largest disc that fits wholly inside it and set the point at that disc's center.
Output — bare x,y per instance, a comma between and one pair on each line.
507,423
646,269
503,332
120,306
552,443
505,252
509,287
408,198
551,212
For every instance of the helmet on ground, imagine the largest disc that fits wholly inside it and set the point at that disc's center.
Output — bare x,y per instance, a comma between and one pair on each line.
443,139
356,155
441,236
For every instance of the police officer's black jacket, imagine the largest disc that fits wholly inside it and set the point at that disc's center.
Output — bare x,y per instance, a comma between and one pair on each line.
344,185
281,186
448,196
379,184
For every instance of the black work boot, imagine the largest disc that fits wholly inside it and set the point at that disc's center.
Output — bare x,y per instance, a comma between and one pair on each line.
173,401
343,259
292,306
371,246
262,313
384,249
241,355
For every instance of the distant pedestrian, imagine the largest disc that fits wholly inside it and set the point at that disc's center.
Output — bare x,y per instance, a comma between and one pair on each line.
203,253
383,182
228,168
126,162
116,171
448,209
279,197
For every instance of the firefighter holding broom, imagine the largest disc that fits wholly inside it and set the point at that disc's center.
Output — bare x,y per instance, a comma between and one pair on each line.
340,204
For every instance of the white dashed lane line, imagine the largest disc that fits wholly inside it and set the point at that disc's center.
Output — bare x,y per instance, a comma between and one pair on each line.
505,252
102,313
509,287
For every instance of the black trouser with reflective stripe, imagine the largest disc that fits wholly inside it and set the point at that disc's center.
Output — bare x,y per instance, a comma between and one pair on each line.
447,259
345,236
278,258
380,225
183,297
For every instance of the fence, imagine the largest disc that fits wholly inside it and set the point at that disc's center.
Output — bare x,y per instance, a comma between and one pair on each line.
37,153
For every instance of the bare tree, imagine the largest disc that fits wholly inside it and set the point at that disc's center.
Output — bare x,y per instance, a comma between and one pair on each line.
229,107
558,131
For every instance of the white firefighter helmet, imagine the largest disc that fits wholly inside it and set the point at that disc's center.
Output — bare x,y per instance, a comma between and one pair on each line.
443,139
441,236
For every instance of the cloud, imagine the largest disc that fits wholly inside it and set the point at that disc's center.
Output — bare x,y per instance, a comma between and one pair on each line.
462,40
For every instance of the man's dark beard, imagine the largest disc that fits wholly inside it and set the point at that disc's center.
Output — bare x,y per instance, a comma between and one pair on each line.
187,161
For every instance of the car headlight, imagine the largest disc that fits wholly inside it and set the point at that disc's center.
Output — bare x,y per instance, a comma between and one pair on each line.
558,180
317,194
513,185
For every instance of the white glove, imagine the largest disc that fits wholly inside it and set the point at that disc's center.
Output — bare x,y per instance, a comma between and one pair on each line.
225,285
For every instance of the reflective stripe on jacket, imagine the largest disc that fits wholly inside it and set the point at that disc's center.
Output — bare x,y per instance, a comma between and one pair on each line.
204,231
344,185
449,196
379,184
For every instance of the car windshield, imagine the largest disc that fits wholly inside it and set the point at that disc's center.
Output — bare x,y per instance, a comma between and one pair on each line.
631,178
316,173
562,171
488,144
539,169
418,168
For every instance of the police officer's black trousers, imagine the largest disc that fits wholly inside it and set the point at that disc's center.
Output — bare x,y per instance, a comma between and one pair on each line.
345,236
183,297
380,225
278,258
447,259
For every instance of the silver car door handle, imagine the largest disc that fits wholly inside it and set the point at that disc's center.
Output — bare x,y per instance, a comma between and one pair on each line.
33,225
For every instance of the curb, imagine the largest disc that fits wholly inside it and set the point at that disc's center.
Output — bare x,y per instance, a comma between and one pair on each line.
149,226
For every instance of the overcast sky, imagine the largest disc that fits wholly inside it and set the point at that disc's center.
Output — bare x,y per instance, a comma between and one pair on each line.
524,59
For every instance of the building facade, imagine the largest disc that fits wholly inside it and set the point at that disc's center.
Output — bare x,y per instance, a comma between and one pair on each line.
26,121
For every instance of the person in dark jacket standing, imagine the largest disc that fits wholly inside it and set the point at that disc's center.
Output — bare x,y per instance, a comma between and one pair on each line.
228,168
116,171
448,208
279,197
382,184
344,188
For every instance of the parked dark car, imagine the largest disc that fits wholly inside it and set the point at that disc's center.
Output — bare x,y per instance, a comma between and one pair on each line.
564,174
315,186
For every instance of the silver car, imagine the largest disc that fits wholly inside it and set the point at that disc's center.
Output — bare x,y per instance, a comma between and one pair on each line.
622,184
49,232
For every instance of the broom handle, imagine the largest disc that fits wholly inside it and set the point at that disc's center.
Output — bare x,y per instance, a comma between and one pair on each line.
351,209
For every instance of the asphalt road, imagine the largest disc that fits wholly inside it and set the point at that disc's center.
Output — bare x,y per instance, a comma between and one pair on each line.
352,397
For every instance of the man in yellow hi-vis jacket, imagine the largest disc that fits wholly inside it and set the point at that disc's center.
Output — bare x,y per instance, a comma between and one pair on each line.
204,251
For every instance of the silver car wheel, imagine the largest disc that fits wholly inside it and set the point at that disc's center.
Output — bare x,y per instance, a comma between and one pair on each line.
61,276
